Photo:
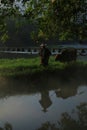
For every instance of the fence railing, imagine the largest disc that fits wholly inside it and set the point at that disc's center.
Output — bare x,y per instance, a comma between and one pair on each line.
34,50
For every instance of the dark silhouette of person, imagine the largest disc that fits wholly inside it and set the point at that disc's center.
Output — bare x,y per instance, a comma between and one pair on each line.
44,54
45,101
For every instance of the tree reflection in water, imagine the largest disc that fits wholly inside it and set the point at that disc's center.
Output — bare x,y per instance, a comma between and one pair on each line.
7,126
68,123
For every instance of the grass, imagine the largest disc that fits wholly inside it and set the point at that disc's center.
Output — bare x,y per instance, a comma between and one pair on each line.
22,67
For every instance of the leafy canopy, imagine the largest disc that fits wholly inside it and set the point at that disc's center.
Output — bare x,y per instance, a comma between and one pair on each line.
62,19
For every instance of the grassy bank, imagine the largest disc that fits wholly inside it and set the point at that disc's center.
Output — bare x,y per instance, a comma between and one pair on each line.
29,67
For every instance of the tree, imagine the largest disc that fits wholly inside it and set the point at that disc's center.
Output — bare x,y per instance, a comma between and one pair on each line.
60,18
6,11
53,18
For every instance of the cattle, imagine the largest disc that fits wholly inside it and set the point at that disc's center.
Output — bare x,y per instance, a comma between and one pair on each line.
67,55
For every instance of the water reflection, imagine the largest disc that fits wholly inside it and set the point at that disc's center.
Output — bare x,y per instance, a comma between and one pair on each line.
45,100
7,126
64,89
67,122
66,92
51,104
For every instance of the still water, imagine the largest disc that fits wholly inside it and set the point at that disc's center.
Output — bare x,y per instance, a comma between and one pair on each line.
43,105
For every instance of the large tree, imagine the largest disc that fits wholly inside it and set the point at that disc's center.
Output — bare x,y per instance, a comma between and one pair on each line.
63,19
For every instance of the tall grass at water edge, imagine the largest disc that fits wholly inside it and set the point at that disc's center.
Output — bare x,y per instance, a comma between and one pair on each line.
22,66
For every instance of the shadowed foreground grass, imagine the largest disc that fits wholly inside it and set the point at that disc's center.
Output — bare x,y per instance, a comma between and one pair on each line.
29,67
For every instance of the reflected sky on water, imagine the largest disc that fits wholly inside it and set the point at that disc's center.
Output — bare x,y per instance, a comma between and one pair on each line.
29,110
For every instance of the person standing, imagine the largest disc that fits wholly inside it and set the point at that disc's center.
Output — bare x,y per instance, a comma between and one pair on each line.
44,54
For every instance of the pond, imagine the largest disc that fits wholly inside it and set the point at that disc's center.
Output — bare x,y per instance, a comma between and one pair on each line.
52,104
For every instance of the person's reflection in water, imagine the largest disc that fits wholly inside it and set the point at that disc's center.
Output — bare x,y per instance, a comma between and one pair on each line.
45,101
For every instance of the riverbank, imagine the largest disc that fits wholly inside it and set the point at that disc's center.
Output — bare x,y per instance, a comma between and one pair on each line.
31,67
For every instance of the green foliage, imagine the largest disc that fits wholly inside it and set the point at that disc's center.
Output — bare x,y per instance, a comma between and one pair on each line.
7,10
61,19
53,18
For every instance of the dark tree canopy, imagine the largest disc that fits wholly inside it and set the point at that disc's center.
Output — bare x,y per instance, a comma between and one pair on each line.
71,18
63,19
60,18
